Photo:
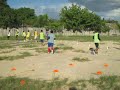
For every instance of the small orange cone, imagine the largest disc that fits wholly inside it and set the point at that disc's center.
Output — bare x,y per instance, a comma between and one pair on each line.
99,73
13,69
71,64
22,82
55,71
106,65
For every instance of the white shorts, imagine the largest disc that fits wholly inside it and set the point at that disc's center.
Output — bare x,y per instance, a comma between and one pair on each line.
35,37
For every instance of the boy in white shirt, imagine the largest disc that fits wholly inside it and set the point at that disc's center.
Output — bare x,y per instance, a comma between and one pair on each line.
8,36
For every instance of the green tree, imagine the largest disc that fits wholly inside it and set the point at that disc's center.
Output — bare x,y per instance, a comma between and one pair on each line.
55,25
14,18
4,8
8,18
25,16
42,21
78,19
71,17
3,4
118,24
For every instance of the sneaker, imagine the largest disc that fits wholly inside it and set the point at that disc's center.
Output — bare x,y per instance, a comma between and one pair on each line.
52,52
96,52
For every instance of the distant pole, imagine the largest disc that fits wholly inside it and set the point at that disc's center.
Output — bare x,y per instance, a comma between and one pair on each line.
22,26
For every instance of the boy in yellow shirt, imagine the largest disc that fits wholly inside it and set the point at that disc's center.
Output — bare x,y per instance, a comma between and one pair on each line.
28,35
97,39
42,37
24,35
17,34
35,35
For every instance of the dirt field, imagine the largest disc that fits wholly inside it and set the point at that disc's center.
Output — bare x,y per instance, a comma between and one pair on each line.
40,64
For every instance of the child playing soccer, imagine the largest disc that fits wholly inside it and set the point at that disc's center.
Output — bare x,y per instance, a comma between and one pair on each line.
17,34
47,32
8,36
42,37
97,39
51,38
28,35
35,35
24,35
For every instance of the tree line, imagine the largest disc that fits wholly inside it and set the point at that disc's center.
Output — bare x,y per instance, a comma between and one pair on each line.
71,18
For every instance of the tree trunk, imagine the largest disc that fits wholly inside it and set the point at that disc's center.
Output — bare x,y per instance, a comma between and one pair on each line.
108,33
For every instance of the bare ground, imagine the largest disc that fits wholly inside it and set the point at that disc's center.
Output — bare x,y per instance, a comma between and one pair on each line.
41,65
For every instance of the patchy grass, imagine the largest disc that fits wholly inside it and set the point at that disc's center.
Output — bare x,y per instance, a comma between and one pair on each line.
80,59
66,48
117,43
12,83
78,85
7,51
29,45
5,46
73,38
87,38
82,51
102,43
60,44
102,83
84,59
13,38
76,59
116,48
60,49
106,82
21,56
41,50
25,54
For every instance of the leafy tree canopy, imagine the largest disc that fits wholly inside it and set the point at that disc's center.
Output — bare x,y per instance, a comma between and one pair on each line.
78,19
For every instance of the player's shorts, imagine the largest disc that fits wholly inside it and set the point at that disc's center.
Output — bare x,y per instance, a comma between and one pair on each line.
35,37
97,45
50,44
41,40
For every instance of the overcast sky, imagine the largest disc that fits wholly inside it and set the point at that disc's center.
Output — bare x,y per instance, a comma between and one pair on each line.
104,8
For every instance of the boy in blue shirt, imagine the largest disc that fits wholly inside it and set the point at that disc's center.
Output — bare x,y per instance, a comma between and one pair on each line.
51,38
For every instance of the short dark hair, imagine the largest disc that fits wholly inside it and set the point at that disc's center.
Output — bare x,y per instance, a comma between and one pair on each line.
51,31
41,30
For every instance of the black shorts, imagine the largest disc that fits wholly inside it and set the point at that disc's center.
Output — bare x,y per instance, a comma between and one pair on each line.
97,45
50,44
41,40
8,37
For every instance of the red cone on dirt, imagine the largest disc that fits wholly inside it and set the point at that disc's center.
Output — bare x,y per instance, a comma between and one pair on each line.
55,71
22,82
13,69
71,64
106,65
99,73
